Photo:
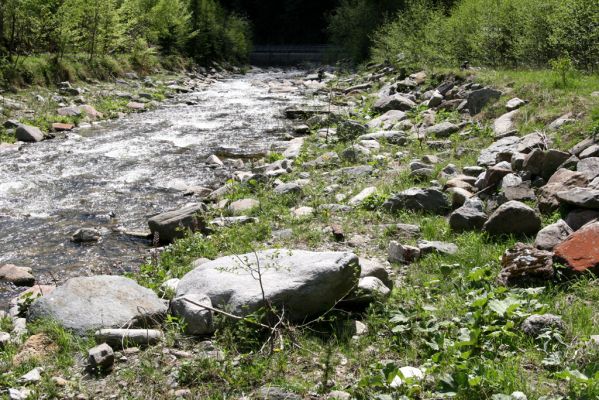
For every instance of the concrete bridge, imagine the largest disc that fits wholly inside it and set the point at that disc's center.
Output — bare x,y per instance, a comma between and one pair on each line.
287,55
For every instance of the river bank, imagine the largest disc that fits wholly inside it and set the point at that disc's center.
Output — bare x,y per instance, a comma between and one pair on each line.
427,182
110,175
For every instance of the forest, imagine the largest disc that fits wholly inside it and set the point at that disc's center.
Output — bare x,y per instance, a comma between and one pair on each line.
45,40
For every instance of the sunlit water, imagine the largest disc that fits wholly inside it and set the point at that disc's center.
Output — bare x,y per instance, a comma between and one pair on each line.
132,168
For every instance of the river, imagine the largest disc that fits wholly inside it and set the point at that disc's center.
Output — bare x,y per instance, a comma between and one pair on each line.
118,173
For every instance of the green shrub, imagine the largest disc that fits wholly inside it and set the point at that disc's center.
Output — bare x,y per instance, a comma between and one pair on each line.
495,33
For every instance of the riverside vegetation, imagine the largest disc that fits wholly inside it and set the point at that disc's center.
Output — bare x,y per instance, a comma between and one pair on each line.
470,197
448,329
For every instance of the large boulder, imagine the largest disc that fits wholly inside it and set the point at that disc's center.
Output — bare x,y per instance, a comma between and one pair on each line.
515,218
562,180
506,124
443,129
589,167
302,283
416,199
469,217
580,251
506,145
173,225
85,305
578,218
477,99
579,197
26,133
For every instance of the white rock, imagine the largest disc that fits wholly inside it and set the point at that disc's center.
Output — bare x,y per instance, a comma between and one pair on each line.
514,104
407,373
35,375
301,212
363,195
19,394
214,160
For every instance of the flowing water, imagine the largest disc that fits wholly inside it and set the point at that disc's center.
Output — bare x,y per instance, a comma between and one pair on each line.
118,173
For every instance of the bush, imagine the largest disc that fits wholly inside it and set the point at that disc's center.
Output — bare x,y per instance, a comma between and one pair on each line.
415,37
496,33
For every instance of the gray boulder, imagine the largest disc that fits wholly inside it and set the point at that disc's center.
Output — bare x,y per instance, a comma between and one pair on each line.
27,133
552,235
443,129
86,235
394,102
591,151
515,218
198,319
552,161
579,197
369,289
506,145
19,276
506,124
535,140
288,188
562,180
416,199
477,99
375,269
469,217
303,283
88,304
274,393
589,167
403,254
174,224
576,219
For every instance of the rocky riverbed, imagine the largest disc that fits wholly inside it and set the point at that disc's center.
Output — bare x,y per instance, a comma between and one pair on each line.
414,237
110,177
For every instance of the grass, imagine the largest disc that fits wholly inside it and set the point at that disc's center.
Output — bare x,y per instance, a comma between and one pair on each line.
446,313
98,95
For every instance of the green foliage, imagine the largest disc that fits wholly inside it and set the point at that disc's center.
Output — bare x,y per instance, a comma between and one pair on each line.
5,137
495,33
414,37
102,30
562,66
216,35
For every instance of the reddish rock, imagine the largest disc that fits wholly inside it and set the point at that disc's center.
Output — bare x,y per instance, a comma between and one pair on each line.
136,106
60,127
580,251
91,112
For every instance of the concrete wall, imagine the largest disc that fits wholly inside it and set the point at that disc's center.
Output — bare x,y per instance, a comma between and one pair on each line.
294,55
